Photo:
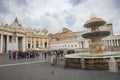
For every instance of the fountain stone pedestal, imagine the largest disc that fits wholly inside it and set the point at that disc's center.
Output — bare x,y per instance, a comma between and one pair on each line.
96,46
113,65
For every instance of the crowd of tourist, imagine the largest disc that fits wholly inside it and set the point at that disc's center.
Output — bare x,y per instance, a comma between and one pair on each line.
70,51
21,54
33,54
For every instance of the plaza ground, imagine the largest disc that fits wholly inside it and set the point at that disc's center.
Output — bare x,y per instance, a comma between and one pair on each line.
42,70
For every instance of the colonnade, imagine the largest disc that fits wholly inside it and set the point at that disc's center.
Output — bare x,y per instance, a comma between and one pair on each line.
106,43
111,43
11,42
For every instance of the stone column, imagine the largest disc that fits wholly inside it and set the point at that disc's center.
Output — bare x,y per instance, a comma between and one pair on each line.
103,43
112,43
23,44
87,45
84,43
1,46
43,42
39,43
117,43
79,44
34,42
7,43
26,42
30,42
17,46
48,43
106,43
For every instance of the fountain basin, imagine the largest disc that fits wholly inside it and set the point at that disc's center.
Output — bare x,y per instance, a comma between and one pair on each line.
90,35
94,22
91,61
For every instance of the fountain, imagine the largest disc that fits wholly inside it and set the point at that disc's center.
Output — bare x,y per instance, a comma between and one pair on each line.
96,46
97,58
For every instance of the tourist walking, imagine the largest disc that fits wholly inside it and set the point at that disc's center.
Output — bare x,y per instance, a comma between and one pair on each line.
10,54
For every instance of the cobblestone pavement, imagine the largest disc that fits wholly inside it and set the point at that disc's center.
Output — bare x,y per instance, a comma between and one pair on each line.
45,71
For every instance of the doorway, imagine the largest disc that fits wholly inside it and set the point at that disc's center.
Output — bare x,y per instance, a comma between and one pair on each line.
45,44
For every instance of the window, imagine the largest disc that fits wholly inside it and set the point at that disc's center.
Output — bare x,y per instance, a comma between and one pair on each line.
28,45
45,44
10,39
71,45
75,45
36,45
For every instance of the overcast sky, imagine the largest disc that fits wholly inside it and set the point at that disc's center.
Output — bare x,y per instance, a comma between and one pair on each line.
56,14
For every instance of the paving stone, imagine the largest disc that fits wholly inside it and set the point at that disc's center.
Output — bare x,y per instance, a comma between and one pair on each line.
45,71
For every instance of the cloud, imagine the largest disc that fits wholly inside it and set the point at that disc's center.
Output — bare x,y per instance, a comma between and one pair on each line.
21,2
3,8
75,2
56,14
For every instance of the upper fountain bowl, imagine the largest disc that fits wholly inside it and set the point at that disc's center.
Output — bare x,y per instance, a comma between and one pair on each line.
96,34
94,22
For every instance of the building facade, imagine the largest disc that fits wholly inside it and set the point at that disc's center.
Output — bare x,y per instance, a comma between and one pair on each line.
74,40
15,37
